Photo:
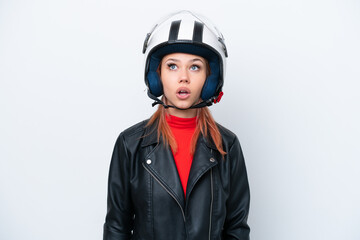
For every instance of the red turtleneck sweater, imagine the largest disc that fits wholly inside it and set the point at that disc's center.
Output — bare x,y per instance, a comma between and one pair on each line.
183,130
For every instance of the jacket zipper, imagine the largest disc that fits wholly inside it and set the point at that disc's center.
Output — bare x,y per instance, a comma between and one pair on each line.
212,198
182,211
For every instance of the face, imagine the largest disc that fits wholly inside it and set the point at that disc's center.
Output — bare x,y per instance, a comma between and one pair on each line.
183,76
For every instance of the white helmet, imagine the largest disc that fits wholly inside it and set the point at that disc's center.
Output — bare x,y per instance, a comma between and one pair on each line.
186,32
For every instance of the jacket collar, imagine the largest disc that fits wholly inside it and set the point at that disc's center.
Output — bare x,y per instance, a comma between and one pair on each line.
150,135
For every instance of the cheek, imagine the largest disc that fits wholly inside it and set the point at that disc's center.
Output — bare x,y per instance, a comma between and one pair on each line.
163,78
166,76
200,82
167,82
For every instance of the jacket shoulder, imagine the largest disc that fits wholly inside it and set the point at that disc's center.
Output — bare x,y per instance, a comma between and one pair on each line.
228,136
226,133
132,134
134,129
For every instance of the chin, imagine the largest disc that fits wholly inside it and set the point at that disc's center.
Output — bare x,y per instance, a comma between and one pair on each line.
183,106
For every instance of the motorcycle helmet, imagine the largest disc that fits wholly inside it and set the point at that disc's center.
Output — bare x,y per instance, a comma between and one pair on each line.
186,32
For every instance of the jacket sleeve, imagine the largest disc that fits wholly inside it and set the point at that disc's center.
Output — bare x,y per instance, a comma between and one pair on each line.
120,216
238,203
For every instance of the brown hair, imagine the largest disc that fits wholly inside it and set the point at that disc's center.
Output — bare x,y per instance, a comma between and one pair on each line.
205,124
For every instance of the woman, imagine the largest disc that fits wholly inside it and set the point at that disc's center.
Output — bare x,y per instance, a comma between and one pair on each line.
179,175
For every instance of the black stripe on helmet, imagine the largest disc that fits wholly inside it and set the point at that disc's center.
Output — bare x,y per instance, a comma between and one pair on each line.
174,30
198,31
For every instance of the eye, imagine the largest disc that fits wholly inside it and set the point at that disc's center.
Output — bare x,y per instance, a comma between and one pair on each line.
194,67
172,66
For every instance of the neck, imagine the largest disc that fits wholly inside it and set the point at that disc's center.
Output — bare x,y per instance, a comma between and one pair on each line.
188,113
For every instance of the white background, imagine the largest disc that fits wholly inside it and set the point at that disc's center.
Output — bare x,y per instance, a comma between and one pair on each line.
72,79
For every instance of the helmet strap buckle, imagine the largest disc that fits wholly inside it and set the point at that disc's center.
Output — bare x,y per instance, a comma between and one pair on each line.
218,98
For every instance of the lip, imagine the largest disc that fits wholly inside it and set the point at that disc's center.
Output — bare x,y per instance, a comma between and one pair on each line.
183,96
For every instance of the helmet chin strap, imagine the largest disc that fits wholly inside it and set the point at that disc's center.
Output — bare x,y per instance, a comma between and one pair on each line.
206,103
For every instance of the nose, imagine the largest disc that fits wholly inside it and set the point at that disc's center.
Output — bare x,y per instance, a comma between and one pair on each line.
184,76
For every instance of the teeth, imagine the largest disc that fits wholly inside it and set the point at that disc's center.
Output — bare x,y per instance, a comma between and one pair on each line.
183,92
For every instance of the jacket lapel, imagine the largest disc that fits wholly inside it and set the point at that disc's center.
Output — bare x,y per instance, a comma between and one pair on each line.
203,160
160,162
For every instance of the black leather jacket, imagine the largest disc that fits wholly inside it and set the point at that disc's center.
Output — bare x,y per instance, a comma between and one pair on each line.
146,199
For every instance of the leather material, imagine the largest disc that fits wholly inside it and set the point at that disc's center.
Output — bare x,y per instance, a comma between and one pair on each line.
145,196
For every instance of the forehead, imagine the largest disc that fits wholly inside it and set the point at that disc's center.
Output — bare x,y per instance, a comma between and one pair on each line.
182,57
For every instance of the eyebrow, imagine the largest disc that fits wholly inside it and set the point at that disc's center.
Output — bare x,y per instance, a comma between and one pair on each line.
172,59
197,59
192,60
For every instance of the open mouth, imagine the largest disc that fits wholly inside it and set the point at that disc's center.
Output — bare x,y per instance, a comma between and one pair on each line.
183,92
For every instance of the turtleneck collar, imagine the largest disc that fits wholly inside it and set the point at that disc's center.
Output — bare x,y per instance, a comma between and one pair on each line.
178,122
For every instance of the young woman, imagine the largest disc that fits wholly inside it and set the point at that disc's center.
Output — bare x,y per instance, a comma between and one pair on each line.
179,174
